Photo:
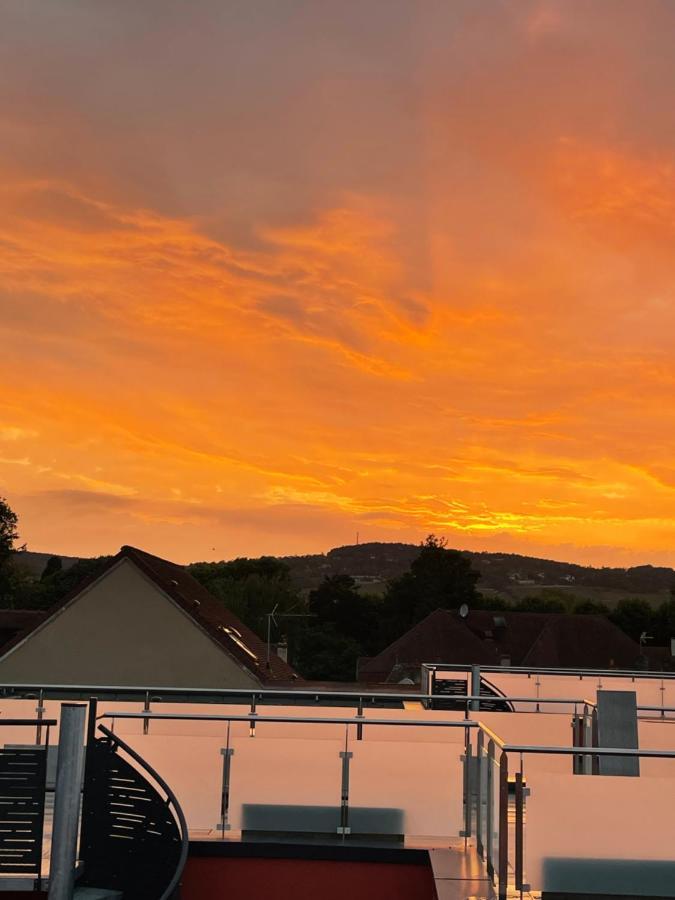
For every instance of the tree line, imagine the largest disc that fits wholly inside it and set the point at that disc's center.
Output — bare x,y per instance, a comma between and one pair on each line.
330,628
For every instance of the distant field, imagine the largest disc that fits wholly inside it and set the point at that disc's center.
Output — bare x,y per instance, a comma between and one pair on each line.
373,588
608,596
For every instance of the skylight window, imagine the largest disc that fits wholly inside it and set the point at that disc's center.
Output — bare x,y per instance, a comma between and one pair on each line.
235,636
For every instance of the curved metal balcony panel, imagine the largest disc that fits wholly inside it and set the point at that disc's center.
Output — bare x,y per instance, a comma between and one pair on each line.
134,840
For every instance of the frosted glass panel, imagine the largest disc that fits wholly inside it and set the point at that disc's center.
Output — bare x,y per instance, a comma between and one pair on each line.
284,772
544,728
192,767
23,734
425,781
596,818
409,733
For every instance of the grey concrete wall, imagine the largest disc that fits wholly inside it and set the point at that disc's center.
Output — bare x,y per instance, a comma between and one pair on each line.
618,727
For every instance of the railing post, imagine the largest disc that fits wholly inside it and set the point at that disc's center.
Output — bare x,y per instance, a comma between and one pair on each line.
475,688
503,853
146,708
489,808
468,794
69,770
480,762
519,835
345,756
359,715
227,753
40,710
251,727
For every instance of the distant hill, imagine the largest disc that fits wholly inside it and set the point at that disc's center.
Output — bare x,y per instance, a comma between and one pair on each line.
508,575
34,563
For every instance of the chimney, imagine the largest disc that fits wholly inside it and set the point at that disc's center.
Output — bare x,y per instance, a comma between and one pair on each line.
282,650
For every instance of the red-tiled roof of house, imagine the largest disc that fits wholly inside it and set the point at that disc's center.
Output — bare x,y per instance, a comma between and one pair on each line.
588,641
236,639
522,638
441,638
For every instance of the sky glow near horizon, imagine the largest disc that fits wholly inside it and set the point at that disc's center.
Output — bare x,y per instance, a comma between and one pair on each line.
272,273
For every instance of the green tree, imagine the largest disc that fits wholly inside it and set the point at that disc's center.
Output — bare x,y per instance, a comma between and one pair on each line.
251,589
591,607
321,654
11,579
337,602
9,533
664,623
439,578
54,587
635,617
52,566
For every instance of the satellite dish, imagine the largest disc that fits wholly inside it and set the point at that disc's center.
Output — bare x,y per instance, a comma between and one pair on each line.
463,611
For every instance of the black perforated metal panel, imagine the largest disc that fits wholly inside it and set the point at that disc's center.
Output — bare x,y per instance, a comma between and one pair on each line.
23,773
130,840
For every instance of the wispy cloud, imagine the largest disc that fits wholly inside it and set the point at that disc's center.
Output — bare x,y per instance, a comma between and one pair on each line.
325,276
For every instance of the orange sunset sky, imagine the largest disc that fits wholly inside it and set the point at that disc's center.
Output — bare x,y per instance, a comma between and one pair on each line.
272,273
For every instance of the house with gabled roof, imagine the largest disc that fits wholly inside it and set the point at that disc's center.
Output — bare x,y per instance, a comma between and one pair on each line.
141,620
504,637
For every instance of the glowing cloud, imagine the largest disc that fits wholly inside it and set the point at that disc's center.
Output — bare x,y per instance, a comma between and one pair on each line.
398,270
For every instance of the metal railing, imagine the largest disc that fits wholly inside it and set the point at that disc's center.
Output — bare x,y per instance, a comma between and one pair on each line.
256,696
487,811
546,670
487,786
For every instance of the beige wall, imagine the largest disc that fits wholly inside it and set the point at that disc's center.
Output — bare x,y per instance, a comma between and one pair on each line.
125,631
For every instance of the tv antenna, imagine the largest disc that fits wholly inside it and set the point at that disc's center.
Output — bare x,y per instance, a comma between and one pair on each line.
272,617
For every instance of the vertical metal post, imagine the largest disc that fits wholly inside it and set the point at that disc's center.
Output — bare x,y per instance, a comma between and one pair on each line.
595,760
503,838
480,762
587,762
40,710
359,715
69,771
489,808
345,756
468,793
475,688
146,708
577,741
251,730
519,827
227,753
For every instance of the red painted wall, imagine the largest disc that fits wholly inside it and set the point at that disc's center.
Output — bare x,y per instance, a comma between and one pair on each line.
298,879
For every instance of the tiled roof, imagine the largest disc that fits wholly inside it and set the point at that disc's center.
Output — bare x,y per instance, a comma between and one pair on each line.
588,641
210,614
526,639
442,637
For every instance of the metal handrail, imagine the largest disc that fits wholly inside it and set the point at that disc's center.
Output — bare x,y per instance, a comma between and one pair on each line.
244,693
262,693
172,800
544,670
33,722
589,751
257,719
